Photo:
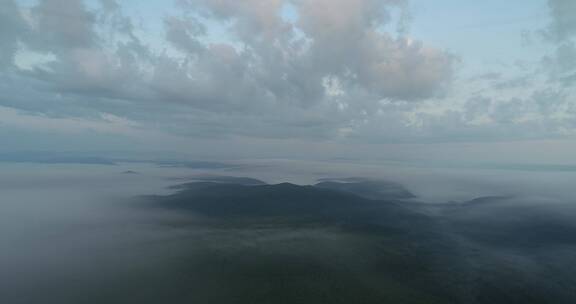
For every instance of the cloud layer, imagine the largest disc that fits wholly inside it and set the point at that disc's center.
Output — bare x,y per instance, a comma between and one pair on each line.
305,63
322,69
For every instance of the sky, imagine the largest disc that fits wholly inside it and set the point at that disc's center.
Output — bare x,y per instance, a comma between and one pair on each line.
472,81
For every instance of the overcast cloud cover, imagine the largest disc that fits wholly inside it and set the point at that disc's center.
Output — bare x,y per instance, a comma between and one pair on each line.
332,71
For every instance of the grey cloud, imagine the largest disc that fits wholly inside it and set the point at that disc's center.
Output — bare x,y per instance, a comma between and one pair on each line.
84,65
562,60
566,55
340,41
111,14
561,33
476,107
569,80
318,76
562,64
62,25
515,82
182,33
110,5
563,24
549,102
347,44
253,19
12,25
531,97
487,76
544,113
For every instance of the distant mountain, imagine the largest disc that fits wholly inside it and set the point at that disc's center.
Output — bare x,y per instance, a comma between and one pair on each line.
487,200
195,164
371,189
246,181
515,223
130,172
283,200
360,241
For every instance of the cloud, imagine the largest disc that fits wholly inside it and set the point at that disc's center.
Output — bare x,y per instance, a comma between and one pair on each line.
561,33
60,25
563,25
338,40
183,33
312,69
561,64
311,72
12,25
348,44
268,62
106,123
523,100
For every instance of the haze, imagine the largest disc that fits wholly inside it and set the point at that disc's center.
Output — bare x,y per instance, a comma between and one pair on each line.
186,151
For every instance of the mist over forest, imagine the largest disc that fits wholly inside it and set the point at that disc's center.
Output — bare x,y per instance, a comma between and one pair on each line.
152,233
287,151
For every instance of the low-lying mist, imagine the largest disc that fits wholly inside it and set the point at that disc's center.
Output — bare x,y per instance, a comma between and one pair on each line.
120,234
67,234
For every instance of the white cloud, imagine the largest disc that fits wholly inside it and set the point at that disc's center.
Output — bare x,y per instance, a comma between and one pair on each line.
333,69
